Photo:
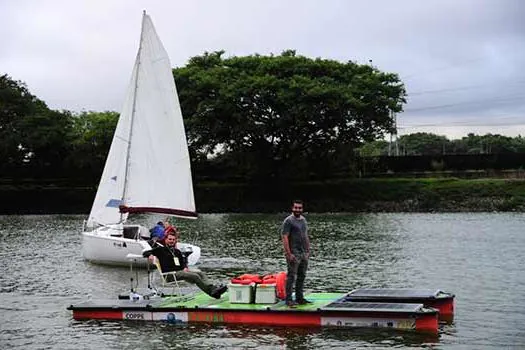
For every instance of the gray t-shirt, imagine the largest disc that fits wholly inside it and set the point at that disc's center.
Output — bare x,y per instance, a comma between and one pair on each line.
297,228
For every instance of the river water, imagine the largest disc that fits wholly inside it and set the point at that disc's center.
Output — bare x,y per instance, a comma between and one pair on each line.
480,257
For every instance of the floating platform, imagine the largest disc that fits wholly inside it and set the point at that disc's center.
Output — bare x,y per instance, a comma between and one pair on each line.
437,299
326,310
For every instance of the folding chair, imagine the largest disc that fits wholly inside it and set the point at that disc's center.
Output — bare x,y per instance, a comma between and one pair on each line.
168,279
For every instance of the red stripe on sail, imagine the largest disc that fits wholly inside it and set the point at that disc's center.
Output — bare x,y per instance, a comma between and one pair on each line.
169,211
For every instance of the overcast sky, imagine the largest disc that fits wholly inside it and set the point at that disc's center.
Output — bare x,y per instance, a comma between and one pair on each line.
462,61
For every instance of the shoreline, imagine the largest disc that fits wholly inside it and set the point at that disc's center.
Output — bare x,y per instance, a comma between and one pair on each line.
350,195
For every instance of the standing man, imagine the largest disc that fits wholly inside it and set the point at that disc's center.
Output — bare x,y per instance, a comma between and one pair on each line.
297,249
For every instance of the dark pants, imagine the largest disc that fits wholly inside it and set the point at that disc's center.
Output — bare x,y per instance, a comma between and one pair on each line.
195,277
296,274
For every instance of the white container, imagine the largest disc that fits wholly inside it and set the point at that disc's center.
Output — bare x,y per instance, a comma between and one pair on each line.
241,293
265,294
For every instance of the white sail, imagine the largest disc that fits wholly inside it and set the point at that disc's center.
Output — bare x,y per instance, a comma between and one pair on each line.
148,165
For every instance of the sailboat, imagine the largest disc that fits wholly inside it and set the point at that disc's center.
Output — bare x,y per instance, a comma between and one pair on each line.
148,166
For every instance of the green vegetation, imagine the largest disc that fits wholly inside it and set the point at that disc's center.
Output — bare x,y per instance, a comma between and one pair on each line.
423,143
369,195
390,195
262,130
252,118
29,131
281,116
278,116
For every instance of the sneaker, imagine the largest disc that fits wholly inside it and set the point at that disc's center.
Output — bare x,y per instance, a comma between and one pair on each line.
291,304
303,301
218,291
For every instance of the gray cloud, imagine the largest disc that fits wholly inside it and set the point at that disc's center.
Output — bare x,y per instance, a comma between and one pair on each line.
461,61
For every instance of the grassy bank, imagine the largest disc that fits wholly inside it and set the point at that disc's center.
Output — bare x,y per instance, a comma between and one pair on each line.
391,195
354,195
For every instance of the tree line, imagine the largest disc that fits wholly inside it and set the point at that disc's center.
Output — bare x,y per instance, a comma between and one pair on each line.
251,117
421,144
36,140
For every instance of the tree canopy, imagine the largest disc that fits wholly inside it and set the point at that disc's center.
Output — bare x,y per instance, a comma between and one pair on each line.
422,143
29,130
253,117
92,133
286,113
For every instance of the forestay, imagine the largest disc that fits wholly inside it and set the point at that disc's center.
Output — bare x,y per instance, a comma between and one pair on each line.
148,166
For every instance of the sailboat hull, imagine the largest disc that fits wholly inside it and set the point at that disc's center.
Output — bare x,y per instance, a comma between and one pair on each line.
107,246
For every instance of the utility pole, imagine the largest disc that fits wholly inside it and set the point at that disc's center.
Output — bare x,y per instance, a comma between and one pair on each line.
390,146
397,135
393,134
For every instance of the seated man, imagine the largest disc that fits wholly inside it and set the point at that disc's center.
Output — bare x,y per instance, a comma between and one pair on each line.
172,259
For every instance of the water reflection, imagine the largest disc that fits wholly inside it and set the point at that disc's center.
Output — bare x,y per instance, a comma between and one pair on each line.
124,334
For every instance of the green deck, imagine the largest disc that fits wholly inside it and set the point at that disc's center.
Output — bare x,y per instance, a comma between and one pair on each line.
203,301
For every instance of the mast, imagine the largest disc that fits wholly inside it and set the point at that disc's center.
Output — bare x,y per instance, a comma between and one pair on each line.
124,190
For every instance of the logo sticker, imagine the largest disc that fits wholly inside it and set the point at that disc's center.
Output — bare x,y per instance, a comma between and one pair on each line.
349,322
171,317
137,316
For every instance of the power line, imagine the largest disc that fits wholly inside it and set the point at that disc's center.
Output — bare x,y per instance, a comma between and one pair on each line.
501,120
455,65
461,88
518,121
499,99
446,67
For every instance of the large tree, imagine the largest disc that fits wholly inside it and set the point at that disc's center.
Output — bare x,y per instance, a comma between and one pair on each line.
46,138
488,143
16,102
374,149
285,113
92,136
30,133
424,143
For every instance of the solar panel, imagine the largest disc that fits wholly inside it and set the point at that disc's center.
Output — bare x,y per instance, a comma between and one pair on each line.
383,307
394,293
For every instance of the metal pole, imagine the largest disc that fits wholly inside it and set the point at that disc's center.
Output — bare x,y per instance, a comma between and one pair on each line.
390,146
397,136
